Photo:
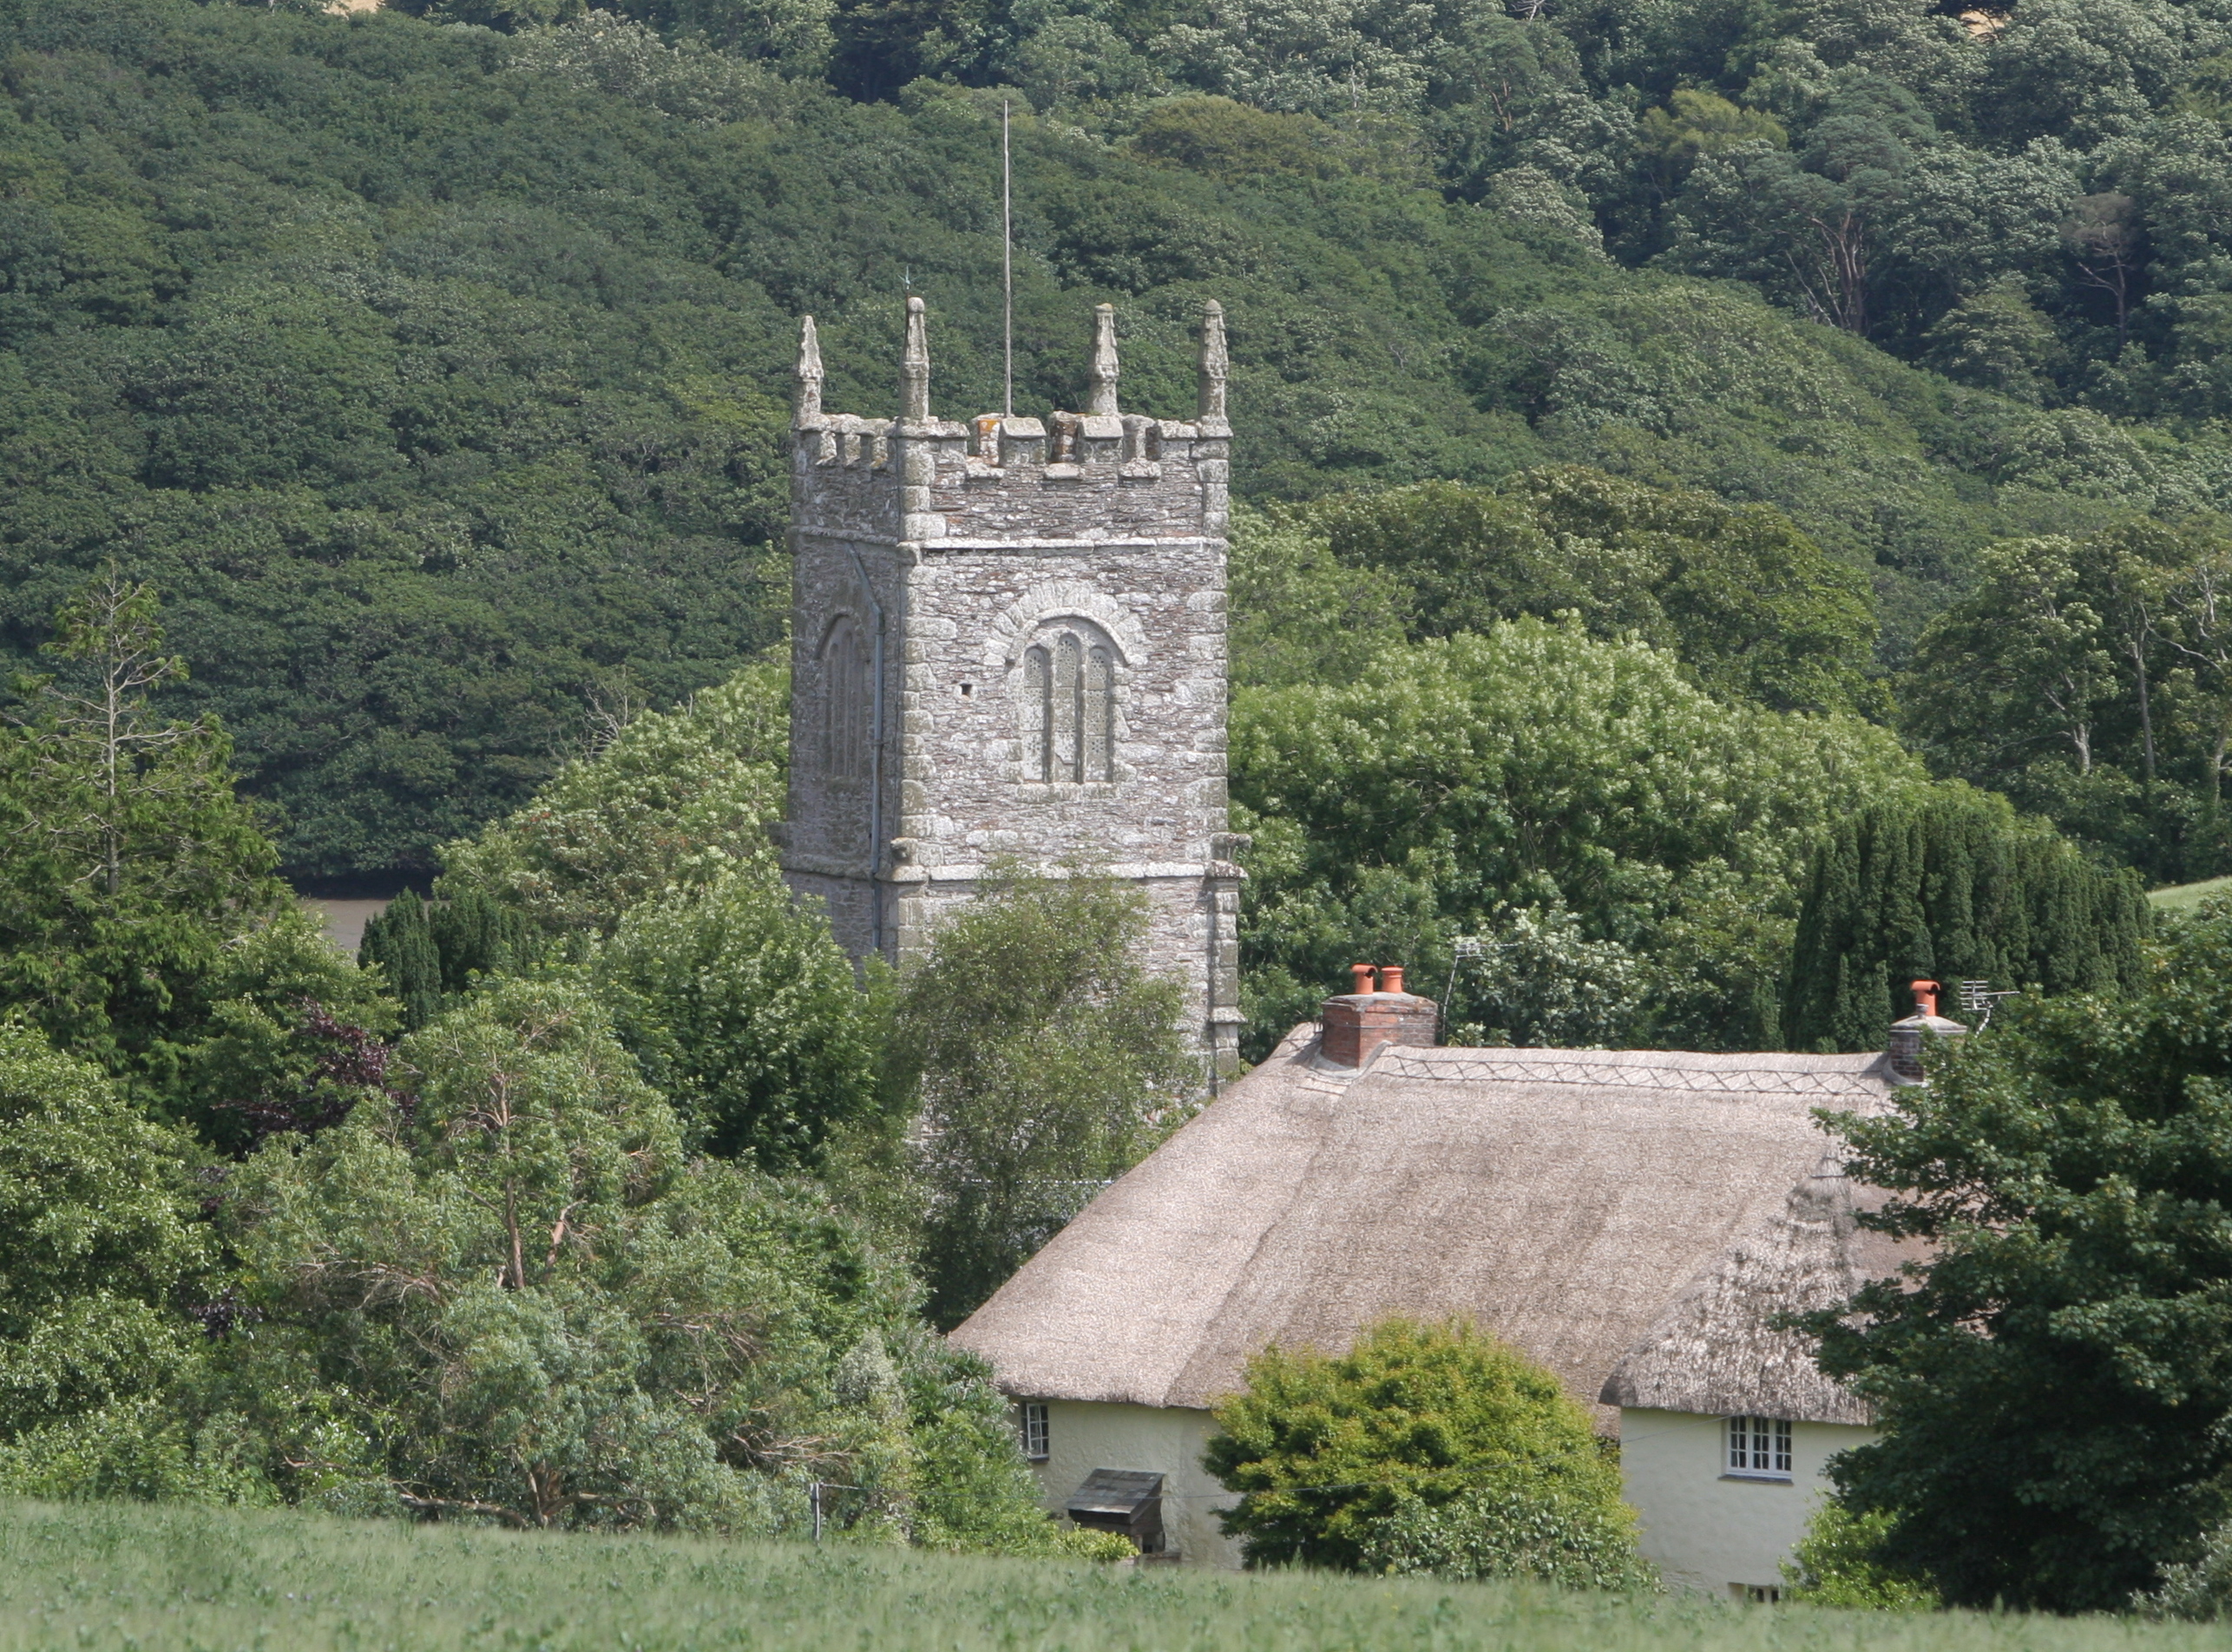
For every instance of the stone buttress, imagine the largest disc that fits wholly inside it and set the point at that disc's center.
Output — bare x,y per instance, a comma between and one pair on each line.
1008,642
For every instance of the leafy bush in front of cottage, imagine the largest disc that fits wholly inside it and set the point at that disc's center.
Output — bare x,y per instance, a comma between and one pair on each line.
1424,1443
2199,1592
1839,1563
1513,1530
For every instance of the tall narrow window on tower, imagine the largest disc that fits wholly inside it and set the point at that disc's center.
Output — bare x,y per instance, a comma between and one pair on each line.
1065,716
1038,727
1097,695
1069,704
844,702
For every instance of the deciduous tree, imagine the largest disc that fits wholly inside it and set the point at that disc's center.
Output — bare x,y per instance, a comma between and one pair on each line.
525,1303
1525,767
747,1015
105,1254
1041,1059
2052,1382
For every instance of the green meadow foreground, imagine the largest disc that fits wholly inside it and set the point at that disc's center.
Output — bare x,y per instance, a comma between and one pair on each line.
135,1575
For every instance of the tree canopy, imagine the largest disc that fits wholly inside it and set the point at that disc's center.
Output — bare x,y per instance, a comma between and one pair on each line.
1750,605
1950,885
97,1214
1034,1060
1454,787
2087,679
2050,1382
130,858
531,1304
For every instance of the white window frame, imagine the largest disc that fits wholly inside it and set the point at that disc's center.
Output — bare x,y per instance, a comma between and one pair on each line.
1756,1448
1031,1426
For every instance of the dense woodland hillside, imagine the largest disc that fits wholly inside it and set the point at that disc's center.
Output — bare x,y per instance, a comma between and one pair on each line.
434,367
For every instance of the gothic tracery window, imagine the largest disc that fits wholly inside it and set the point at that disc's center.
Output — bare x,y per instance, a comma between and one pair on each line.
1069,704
844,703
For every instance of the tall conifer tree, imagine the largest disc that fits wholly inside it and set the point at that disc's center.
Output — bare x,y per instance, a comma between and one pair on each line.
1953,886
401,942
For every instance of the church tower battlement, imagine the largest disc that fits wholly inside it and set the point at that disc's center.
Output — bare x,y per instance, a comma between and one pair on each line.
1008,644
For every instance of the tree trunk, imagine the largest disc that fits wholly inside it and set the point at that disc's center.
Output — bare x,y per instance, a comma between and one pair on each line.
2146,707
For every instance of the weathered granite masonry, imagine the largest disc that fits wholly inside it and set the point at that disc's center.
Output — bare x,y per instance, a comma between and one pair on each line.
1009,641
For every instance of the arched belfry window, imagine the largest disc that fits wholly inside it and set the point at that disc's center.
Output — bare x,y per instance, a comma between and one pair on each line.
1069,703
844,702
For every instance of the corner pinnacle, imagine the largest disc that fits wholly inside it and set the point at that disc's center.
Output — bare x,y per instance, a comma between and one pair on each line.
1216,365
807,406
1102,401
915,367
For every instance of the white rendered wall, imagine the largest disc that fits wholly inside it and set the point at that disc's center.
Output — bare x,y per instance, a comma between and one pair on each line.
1706,1529
1082,1437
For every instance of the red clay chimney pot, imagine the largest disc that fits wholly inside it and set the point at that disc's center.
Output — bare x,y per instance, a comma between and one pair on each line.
1391,977
1361,974
1926,998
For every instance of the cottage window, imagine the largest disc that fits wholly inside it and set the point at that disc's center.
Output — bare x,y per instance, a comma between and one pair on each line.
1759,1447
1034,1422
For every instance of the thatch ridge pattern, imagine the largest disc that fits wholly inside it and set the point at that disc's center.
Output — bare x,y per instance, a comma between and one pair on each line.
1478,1067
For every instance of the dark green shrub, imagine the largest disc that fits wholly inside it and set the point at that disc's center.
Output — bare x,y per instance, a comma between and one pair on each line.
1514,1529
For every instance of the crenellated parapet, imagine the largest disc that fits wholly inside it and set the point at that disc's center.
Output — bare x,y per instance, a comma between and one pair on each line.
1070,478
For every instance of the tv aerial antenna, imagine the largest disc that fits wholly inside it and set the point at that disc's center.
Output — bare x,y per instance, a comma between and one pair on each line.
1978,999
1464,949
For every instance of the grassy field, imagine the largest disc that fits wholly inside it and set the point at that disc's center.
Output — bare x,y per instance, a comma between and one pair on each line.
140,1577
2181,896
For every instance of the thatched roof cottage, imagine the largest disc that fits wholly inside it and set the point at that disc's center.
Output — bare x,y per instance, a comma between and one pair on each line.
1628,1218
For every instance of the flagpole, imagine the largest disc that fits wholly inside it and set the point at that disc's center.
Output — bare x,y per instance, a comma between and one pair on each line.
1006,262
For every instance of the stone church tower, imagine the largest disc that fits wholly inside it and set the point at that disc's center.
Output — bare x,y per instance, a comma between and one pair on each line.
1008,641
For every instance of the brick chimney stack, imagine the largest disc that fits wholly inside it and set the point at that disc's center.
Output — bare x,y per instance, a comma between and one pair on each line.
1905,1047
1357,1023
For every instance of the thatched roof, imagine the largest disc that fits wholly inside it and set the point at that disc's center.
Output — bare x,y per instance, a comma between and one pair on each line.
1561,1198
1714,1350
